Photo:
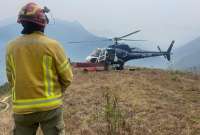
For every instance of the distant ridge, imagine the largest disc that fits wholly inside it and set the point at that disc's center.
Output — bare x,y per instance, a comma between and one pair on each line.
63,31
187,56
7,21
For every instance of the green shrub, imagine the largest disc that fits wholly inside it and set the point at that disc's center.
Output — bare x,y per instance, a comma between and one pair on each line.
112,114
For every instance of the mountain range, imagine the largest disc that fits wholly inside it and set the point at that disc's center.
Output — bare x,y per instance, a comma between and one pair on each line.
187,56
65,32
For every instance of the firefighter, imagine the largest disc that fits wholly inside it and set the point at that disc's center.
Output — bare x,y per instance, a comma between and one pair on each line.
38,72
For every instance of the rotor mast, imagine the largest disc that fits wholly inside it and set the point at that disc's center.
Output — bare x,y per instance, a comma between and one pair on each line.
115,40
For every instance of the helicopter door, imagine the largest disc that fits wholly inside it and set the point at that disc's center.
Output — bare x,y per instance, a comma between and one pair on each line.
102,55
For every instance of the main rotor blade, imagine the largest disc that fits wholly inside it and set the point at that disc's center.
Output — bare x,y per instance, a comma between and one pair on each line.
132,40
129,34
78,42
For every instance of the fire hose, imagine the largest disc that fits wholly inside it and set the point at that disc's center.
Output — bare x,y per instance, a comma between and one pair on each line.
5,104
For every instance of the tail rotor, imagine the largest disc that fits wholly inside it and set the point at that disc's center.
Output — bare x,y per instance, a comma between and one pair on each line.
168,55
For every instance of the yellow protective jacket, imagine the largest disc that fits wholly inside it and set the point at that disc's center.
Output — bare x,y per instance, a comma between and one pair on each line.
38,72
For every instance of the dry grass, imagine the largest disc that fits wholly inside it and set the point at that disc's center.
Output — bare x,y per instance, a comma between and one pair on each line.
141,102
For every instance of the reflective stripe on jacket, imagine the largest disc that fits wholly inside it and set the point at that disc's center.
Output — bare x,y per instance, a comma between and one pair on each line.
38,72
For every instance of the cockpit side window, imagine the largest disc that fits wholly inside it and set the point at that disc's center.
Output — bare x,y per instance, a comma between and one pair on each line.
96,53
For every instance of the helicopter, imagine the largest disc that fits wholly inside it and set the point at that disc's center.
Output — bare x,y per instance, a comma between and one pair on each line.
117,54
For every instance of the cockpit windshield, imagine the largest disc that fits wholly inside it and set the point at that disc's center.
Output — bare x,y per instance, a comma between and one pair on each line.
96,52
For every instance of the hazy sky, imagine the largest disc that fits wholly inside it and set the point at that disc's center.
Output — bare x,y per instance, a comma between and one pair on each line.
160,20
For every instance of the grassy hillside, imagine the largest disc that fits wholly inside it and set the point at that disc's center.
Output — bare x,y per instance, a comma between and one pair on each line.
138,102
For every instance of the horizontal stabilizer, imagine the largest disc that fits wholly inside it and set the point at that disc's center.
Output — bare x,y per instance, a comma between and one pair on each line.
161,52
